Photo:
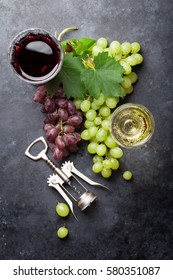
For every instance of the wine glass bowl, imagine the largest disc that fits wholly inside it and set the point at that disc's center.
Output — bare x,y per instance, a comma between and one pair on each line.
35,56
132,125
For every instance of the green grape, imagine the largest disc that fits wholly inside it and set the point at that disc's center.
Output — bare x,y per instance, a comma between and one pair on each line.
94,139
92,131
110,143
115,48
100,100
129,90
101,135
97,121
88,124
115,163
94,106
97,158
101,150
62,209
77,102
133,77
116,152
135,47
111,102
91,115
96,50
131,60
127,175
104,111
126,83
126,48
106,173
102,43
105,124
92,147
126,66
97,167
107,163
138,57
62,232
85,105
85,134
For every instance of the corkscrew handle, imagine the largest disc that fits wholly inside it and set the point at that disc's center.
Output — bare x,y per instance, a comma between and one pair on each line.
39,155
42,155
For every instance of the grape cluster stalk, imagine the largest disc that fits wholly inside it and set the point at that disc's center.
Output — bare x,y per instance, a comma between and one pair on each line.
61,123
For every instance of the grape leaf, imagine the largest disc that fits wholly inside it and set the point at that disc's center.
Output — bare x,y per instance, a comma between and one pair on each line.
69,76
80,47
106,77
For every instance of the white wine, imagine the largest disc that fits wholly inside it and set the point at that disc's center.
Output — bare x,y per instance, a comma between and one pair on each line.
132,125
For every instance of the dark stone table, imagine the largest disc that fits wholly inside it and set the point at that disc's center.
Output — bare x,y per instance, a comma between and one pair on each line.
135,219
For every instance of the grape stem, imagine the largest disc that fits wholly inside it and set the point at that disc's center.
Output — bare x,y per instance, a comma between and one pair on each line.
65,31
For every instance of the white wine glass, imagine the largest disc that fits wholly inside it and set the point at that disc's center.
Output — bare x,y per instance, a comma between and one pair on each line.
132,125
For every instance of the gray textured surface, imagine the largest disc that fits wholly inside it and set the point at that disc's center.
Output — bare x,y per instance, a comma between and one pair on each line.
134,221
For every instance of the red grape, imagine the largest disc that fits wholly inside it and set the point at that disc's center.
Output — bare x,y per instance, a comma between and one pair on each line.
75,120
59,142
51,134
63,114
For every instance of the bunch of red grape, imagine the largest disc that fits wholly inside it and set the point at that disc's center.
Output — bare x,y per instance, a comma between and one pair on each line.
61,122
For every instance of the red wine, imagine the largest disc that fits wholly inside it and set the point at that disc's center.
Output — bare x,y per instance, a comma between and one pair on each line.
36,57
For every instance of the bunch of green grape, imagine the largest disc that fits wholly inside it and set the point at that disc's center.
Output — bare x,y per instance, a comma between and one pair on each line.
106,153
101,145
128,56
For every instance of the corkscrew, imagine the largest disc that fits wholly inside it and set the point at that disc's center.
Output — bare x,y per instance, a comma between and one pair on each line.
63,179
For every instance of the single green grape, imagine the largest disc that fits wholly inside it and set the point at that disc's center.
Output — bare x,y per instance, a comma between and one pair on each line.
138,57
92,147
104,111
100,100
92,131
126,83
62,209
88,124
127,175
85,105
115,163
77,102
94,106
126,48
115,47
135,47
98,121
91,115
85,134
102,43
101,150
105,124
97,158
116,152
111,102
62,232
131,60
101,135
106,173
129,90
110,143
97,167
133,77
126,66
107,163
96,50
